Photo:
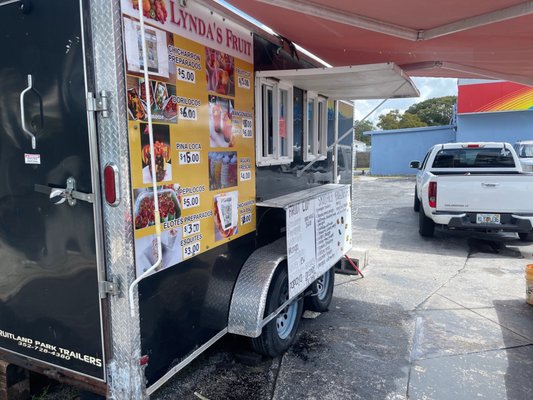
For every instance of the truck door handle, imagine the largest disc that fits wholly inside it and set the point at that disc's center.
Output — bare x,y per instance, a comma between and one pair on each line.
60,195
30,88
490,185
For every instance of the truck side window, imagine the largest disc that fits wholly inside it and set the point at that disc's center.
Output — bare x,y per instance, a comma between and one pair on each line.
423,165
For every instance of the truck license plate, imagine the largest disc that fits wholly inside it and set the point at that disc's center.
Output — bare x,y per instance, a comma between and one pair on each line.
488,218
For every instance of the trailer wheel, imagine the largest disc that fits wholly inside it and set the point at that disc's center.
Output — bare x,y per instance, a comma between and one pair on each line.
323,287
279,334
416,204
426,226
526,236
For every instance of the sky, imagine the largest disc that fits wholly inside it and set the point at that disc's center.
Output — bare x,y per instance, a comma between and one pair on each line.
428,87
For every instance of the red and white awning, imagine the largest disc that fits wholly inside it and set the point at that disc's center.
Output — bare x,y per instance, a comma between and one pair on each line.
445,38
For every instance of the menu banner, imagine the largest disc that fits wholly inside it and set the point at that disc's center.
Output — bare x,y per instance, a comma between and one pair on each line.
196,23
301,251
319,233
201,101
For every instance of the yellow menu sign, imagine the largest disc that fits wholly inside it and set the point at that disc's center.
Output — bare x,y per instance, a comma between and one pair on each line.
201,100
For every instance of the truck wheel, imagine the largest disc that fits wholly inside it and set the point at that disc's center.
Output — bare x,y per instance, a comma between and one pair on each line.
416,205
279,334
426,227
323,287
526,236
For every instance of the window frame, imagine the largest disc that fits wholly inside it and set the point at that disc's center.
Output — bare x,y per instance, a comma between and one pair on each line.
274,158
319,130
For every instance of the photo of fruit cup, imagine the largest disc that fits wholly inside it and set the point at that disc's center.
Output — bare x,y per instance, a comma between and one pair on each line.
219,72
220,121
216,112
222,169
225,215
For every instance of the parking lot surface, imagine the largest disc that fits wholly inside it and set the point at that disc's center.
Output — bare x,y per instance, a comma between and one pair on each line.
439,318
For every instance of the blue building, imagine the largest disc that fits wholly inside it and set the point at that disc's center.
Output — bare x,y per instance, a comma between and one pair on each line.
486,111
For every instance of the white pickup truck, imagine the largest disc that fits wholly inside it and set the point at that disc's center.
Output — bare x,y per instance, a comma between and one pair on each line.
474,186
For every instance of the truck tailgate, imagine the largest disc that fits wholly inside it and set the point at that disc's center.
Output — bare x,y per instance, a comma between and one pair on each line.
485,193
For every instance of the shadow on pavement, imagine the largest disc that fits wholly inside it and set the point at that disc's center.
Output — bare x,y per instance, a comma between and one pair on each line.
358,350
516,318
399,231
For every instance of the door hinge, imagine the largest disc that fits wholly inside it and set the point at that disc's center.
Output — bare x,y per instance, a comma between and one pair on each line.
98,103
107,287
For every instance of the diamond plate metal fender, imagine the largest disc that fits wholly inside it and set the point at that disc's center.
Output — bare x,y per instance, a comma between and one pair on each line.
247,306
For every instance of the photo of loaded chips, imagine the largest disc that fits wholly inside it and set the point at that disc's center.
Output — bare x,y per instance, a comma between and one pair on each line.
163,165
164,106
169,206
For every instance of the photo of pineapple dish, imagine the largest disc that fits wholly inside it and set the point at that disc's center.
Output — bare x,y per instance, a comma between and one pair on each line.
162,156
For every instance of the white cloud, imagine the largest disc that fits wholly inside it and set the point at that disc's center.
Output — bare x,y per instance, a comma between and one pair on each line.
429,88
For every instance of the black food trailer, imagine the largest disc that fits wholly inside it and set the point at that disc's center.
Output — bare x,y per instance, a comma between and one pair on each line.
169,174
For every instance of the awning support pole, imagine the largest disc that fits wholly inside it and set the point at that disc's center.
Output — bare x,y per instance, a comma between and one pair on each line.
349,131
334,155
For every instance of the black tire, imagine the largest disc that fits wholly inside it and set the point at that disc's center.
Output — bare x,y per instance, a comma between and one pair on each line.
426,227
416,204
526,236
322,288
279,334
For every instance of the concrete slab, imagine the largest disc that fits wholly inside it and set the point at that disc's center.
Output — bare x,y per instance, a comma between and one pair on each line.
485,280
451,332
503,374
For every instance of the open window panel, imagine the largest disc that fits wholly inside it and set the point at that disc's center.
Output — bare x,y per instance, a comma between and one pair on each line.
315,127
274,122
274,104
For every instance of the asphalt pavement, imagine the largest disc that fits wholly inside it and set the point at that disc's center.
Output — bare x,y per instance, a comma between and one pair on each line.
440,318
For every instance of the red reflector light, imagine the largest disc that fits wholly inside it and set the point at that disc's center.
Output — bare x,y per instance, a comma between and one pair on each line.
473,146
432,194
111,184
144,360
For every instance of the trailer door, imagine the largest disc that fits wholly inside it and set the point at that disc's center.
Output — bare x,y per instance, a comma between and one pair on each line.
50,309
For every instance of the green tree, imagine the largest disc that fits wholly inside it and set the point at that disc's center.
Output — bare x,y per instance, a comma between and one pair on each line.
410,121
361,127
436,111
389,121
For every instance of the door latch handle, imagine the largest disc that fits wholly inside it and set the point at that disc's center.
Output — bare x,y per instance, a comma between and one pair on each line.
30,88
60,195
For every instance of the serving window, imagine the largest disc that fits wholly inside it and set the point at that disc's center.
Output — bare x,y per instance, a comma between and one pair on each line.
315,127
274,122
